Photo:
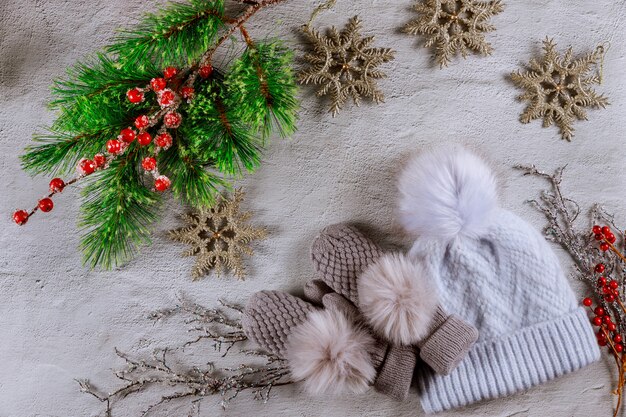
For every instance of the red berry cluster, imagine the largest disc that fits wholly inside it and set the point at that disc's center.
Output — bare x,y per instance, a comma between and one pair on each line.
168,97
45,204
607,332
605,235
608,289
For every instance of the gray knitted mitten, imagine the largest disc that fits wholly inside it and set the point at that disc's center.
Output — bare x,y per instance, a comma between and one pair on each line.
399,302
328,348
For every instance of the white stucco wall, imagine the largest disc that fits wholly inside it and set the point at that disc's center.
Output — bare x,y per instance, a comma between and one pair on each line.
60,321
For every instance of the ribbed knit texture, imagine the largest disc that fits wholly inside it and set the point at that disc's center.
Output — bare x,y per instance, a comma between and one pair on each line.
509,284
504,366
448,344
395,375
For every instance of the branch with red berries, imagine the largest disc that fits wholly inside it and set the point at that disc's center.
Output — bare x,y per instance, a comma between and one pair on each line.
153,113
598,261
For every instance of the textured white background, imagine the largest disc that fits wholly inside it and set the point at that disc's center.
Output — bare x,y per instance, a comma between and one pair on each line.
59,321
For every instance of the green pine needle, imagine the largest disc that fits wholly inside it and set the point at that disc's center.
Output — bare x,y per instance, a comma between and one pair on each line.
215,132
100,75
192,182
57,152
118,213
176,35
262,88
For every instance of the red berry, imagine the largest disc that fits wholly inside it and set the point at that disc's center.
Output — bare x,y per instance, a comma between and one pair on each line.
599,311
606,290
45,204
148,163
56,185
205,71
20,217
601,281
606,230
610,237
172,120
164,140
611,326
596,230
134,95
144,138
597,321
187,92
606,319
166,97
602,342
114,146
609,298
170,72
142,121
158,84
600,268
86,166
619,347
604,246
127,135
617,338
162,183
587,302
599,236
99,160
613,284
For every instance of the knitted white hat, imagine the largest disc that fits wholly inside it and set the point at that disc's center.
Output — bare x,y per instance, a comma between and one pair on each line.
497,273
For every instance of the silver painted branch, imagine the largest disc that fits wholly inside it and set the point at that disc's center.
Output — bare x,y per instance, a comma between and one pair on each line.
220,326
577,240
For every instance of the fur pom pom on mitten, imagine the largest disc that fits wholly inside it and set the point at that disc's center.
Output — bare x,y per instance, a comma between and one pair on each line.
325,349
394,296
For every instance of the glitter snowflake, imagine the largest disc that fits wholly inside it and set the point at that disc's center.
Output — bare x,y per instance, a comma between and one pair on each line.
218,237
558,88
454,26
344,65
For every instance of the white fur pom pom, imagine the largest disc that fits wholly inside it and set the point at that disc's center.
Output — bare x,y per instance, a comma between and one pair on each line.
397,299
330,355
446,193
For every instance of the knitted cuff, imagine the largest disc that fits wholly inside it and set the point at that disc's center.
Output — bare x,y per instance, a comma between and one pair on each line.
396,373
448,345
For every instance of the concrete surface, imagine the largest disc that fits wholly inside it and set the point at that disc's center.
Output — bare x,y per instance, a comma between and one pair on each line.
60,321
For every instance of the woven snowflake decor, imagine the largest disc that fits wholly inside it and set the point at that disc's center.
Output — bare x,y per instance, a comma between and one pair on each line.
344,65
454,26
219,236
558,88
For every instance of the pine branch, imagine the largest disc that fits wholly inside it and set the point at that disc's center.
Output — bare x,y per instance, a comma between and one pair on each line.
99,75
216,132
176,35
262,89
118,213
192,182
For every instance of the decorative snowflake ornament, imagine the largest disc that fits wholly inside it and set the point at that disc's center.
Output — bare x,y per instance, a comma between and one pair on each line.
344,65
558,88
454,26
218,237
